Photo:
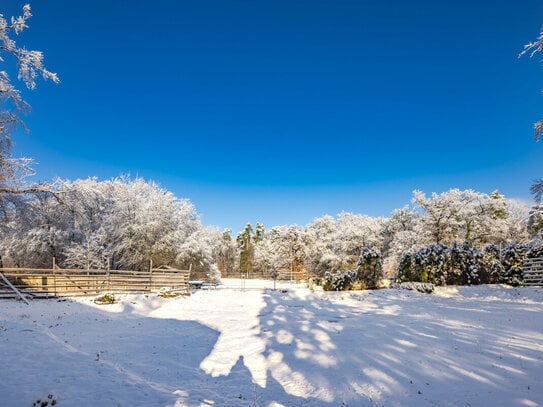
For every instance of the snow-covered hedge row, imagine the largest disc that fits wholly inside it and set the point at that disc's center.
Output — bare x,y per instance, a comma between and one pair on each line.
463,264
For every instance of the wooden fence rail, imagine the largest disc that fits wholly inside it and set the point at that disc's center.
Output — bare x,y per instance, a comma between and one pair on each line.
533,271
77,282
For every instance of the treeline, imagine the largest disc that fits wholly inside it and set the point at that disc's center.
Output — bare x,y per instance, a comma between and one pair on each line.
467,224
118,224
455,237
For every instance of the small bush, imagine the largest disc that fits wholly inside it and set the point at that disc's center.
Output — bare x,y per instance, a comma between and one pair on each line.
105,299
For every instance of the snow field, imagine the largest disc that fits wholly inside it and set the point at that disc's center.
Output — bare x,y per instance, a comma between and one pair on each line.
479,345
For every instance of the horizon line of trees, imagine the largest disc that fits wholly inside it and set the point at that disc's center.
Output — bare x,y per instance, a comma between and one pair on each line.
124,223
333,248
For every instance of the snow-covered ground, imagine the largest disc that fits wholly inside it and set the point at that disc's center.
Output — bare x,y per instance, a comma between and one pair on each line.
244,346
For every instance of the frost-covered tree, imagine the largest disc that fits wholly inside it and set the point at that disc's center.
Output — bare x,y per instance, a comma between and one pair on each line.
440,214
467,215
12,106
288,249
264,256
196,253
122,224
225,253
146,223
403,230
533,48
334,245
321,239
535,221
36,232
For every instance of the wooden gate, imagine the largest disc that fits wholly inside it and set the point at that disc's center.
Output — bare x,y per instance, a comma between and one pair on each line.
533,271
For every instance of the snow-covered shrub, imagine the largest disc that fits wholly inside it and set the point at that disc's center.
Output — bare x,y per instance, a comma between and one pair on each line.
535,248
490,265
433,263
370,267
339,280
463,264
426,288
440,264
512,258
407,270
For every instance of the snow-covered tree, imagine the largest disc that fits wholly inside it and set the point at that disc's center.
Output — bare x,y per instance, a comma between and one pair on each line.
121,223
535,221
288,249
467,215
533,48
403,230
322,254
36,233
334,245
12,106
225,253
196,253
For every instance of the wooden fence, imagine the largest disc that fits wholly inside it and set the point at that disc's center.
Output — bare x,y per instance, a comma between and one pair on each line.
75,282
282,275
533,271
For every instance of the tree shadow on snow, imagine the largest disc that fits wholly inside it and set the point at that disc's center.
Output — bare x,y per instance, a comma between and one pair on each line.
374,349
399,348
86,356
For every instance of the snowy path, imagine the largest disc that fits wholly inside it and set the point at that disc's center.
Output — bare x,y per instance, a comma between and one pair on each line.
227,347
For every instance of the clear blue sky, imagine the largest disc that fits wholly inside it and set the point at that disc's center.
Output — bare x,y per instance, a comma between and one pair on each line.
282,111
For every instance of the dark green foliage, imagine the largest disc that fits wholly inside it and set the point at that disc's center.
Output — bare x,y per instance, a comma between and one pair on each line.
339,280
512,258
440,264
367,274
406,268
370,267
466,265
490,265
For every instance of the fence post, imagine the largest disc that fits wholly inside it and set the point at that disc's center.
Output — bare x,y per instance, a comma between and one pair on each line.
54,283
150,275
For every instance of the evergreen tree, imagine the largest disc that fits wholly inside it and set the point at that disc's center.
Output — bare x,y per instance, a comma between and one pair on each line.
370,267
245,247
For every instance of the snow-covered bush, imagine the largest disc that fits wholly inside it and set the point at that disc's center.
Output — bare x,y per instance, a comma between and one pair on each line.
370,267
463,264
339,280
407,270
490,265
512,259
440,264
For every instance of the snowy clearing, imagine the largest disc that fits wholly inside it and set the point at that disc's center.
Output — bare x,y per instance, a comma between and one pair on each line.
461,346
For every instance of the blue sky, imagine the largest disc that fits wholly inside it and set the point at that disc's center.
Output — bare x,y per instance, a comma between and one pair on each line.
280,112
